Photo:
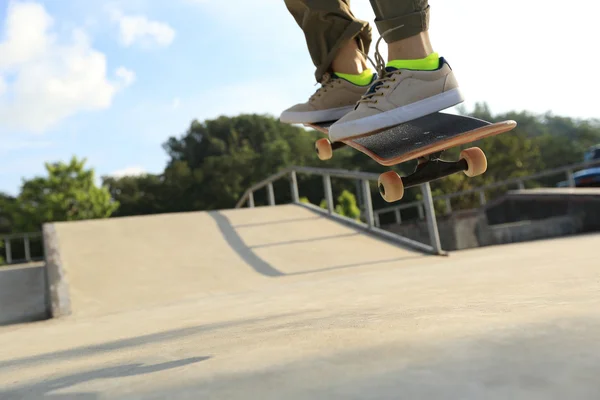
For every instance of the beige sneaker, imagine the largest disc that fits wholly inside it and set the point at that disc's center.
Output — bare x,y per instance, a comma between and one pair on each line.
335,98
401,95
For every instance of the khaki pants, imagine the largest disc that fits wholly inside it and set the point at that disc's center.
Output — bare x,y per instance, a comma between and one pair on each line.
328,24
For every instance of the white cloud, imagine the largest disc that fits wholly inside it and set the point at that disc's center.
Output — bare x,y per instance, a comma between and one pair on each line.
9,146
126,75
129,171
43,79
176,103
138,29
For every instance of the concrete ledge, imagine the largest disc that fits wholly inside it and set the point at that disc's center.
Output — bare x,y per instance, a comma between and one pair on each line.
556,192
58,298
532,230
22,294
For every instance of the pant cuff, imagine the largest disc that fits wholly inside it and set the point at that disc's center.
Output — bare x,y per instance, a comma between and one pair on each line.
357,29
403,27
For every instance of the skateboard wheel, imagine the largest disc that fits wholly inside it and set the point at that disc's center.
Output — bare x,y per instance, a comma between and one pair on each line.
476,161
391,187
323,149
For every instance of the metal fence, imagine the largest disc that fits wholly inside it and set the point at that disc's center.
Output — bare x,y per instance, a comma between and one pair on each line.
518,183
370,220
21,248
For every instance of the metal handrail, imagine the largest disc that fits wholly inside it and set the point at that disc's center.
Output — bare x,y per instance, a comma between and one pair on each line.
26,237
371,220
262,184
334,173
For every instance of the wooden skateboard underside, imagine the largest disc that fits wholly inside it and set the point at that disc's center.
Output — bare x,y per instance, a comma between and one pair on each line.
423,136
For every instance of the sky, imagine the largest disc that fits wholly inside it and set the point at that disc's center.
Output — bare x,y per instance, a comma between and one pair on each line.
111,81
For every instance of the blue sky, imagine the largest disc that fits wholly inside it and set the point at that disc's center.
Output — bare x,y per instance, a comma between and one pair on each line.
111,81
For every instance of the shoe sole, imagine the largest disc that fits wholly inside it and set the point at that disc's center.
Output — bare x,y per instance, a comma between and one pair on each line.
313,117
387,119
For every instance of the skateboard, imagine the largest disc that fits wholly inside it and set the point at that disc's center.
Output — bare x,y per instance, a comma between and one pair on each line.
423,139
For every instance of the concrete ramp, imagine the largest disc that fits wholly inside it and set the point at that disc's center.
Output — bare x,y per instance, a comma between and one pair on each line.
129,263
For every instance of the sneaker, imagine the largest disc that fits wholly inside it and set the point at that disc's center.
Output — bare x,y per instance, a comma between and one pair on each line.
399,96
335,98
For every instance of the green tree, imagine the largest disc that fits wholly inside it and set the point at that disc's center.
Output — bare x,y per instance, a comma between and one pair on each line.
347,205
7,209
215,161
67,193
228,155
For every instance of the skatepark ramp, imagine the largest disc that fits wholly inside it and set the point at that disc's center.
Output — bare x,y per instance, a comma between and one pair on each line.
118,264
290,301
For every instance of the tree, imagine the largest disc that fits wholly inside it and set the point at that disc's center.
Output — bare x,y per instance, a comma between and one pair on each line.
228,155
67,193
346,205
7,209
215,161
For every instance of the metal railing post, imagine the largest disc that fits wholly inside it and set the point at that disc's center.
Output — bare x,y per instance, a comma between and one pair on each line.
8,251
434,235
521,185
421,211
328,193
27,248
397,216
448,206
271,194
570,178
251,200
294,187
482,197
366,190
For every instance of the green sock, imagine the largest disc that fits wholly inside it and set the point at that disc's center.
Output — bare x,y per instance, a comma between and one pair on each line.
428,63
361,79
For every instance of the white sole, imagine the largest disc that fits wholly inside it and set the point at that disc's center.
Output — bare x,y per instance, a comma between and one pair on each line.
313,117
350,129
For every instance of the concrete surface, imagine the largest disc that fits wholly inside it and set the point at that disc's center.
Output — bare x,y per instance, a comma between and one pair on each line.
22,296
59,297
458,231
136,262
543,203
534,230
346,317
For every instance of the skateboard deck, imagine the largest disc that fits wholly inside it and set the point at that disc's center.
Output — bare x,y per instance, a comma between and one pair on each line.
421,137
424,139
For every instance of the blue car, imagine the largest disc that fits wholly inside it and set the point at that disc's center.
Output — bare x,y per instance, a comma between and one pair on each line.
589,177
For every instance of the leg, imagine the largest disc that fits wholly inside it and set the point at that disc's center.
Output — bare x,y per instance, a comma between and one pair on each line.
329,28
335,41
404,27
415,81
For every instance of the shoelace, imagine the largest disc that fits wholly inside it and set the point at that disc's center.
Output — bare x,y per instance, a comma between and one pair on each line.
383,76
376,86
326,82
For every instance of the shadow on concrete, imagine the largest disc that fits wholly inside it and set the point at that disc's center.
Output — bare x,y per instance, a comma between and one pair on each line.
315,239
557,359
264,268
281,221
355,265
237,244
133,342
43,389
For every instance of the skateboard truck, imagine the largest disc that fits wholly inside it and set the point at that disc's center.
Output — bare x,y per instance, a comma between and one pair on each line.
472,162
